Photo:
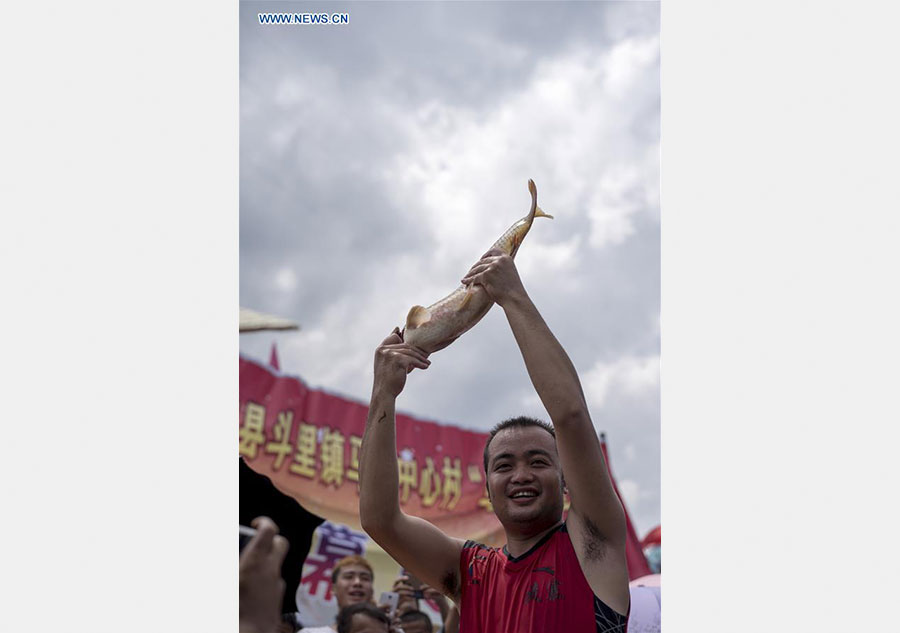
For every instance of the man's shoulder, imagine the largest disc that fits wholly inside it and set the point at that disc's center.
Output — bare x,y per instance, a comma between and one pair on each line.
480,554
475,545
475,550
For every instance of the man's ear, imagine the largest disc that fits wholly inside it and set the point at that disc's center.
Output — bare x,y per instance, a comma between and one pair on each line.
488,490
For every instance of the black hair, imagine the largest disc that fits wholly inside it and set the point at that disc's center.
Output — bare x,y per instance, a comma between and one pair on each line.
521,421
412,616
345,616
291,619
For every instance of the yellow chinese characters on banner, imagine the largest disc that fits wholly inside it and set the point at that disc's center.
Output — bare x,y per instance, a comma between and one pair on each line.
308,441
316,453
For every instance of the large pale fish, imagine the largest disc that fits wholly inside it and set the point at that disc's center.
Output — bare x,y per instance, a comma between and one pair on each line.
438,325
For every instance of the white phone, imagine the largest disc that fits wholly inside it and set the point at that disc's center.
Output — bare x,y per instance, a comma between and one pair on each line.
390,598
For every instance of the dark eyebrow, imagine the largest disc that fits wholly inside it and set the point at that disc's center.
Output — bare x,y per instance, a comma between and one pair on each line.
529,453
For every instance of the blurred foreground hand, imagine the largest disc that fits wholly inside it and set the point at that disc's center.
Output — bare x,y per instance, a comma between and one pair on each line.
261,585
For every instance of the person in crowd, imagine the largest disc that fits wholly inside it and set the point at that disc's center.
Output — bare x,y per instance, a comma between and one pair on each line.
351,583
289,623
408,602
362,617
260,586
413,621
552,574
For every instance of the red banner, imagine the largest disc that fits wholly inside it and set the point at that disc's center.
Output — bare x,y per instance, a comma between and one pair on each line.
307,442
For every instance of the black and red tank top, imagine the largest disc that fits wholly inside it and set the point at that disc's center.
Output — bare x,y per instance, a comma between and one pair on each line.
541,591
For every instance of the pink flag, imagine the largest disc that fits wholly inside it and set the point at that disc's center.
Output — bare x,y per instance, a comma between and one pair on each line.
273,358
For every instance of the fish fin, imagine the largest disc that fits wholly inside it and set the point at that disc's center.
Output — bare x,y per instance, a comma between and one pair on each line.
532,189
416,317
539,213
466,299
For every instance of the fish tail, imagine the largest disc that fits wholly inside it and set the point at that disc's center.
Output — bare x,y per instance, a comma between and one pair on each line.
532,188
536,211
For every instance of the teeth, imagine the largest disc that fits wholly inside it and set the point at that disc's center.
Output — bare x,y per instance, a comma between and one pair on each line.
524,494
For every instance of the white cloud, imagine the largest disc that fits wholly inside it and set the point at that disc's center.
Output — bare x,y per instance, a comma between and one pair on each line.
612,204
548,261
286,279
631,493
630,452
465,170
630,376
626,61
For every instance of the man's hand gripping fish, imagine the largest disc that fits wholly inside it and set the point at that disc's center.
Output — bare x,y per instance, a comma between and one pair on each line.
435,327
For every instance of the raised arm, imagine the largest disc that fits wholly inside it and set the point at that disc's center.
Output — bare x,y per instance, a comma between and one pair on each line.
596,513
415,543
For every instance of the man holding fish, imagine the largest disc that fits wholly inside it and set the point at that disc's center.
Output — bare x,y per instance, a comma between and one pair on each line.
552,575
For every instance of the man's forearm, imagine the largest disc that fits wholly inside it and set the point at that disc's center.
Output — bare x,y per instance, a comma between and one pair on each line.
552,373
378,476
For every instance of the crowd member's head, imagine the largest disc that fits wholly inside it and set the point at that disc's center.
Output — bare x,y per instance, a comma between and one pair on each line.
415,622
351,581
524,477
288,623
362,618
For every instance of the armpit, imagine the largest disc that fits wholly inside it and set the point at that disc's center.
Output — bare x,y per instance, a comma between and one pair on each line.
595,546
450,583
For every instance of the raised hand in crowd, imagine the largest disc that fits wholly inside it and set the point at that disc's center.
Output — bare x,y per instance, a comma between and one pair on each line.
260,584
449,611
408,603
406,592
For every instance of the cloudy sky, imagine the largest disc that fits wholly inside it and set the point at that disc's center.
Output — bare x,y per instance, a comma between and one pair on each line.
381,158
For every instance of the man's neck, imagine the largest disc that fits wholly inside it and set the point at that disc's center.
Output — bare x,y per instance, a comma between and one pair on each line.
518,544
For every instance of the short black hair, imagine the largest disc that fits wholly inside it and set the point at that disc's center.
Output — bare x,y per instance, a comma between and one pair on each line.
291,619
521,421
412,616
345,616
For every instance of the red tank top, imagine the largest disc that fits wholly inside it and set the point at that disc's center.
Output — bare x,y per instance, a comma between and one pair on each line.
541,591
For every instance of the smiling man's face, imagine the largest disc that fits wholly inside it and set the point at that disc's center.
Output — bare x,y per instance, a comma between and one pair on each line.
352,585
525,479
